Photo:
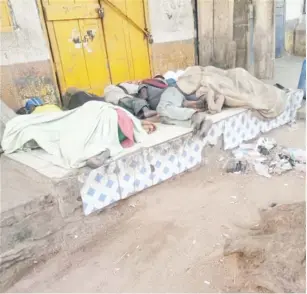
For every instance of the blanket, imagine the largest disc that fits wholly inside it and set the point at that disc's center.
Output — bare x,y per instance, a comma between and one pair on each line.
238,86
71,137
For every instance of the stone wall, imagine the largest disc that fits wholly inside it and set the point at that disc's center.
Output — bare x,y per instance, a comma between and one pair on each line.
25,59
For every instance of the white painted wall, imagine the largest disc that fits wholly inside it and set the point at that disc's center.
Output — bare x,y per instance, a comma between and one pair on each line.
293,9
27,43
171,20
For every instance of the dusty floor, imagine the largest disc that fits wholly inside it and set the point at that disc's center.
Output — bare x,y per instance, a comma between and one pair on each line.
170,238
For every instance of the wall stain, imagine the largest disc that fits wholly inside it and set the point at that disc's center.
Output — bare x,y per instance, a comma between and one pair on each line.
33,84
84,40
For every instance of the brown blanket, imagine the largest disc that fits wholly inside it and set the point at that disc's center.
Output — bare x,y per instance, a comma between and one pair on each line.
238,86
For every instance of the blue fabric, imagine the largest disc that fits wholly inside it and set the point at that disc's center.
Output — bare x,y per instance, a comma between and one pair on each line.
302,80
35,101
171,82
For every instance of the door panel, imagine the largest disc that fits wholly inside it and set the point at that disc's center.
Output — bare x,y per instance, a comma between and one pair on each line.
126,46
95,54
90,52
117,42
140,52
71,53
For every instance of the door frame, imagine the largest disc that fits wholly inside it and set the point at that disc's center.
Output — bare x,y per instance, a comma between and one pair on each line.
48,44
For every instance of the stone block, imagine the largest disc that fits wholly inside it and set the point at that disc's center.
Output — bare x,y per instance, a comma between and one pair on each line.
35,226
67,193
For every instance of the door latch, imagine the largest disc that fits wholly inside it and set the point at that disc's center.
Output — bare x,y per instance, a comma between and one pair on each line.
148,35
100,12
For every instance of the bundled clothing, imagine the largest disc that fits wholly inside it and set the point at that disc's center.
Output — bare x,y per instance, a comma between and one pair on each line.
119,95
171,110
77,98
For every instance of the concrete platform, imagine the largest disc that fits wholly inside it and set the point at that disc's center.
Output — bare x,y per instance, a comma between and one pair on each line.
168,152
39,200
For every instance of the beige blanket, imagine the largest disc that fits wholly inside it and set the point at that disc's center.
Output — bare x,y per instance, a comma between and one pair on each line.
238,86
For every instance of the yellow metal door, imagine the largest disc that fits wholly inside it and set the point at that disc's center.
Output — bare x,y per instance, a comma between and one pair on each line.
78,44
92,49
127,46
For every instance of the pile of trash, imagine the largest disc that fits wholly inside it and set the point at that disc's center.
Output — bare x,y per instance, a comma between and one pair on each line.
266,158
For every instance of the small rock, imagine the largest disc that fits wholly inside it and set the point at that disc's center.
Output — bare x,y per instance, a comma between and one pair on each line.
194,242
207,282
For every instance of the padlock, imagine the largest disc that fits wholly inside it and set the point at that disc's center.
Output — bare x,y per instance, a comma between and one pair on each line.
100,12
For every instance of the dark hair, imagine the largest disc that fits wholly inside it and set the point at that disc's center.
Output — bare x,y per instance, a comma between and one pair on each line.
159,77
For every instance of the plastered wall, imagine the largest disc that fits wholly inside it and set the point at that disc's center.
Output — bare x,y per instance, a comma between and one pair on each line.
25,59
172,27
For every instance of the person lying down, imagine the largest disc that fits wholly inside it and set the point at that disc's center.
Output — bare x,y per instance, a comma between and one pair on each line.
87,135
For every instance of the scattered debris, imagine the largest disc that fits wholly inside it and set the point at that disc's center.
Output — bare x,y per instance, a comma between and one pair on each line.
265,145
207,282
194,242
297,155
236,166
267,158
262,170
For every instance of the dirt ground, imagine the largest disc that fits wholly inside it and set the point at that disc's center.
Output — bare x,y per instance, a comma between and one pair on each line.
170,238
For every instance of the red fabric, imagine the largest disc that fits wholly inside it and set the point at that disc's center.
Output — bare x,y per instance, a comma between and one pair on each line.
126,125
155,83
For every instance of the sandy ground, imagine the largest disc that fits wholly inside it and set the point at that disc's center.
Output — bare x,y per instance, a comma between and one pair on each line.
170,238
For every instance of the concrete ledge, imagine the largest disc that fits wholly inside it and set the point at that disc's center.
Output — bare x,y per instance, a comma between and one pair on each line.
41,211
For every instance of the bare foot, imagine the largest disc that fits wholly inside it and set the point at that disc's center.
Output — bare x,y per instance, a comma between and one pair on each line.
148,126
194,104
